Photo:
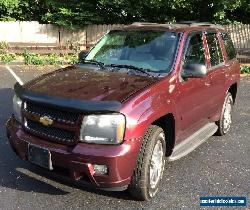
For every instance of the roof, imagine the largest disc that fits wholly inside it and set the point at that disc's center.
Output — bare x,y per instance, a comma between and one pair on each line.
180,26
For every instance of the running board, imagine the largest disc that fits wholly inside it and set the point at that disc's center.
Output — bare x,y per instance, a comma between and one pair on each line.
192,142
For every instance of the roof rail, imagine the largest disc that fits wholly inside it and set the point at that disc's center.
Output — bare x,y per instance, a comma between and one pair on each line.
194,23
166,25
142,23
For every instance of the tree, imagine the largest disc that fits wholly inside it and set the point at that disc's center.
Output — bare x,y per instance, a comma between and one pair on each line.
217,11
72,13
8,9
23,10
242,13
76,13
79,13
32,10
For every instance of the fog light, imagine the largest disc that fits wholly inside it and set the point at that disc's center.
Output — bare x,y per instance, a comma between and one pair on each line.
101,169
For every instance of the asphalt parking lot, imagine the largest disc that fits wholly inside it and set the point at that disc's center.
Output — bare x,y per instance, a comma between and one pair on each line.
221,166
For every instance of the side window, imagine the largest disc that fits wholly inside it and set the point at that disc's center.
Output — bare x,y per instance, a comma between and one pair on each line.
214,49
195,51
228,46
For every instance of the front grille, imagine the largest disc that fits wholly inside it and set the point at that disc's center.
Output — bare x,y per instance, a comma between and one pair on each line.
63,130
50,132
55,114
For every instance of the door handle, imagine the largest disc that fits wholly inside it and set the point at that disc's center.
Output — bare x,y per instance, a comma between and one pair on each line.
207,84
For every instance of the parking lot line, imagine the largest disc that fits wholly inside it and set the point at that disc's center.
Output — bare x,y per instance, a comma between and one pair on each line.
14,75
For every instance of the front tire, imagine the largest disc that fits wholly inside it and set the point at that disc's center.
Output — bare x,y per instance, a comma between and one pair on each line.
224,124
150,165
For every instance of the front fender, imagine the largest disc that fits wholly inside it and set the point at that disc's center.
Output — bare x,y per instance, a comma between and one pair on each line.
147,107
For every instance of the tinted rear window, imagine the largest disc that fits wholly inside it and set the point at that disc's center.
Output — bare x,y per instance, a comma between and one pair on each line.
228,46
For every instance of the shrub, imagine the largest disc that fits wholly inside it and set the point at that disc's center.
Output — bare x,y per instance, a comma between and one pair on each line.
52,59
7,57
4,47
71,59
33,59
245,69
36,59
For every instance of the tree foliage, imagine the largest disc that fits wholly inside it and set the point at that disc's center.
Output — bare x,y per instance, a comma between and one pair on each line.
76,13
8,9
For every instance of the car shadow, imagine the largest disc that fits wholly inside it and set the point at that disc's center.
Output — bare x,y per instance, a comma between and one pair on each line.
10,175
78,185
20,181
15,173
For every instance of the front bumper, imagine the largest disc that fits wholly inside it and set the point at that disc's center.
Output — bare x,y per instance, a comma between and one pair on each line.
77,161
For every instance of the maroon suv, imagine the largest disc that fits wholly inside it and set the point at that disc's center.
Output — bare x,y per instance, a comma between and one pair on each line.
145,94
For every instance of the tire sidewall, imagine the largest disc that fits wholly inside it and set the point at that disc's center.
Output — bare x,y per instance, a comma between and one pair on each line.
155,138
229,99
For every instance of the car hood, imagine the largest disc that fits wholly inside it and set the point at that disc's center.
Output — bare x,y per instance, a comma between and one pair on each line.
87,84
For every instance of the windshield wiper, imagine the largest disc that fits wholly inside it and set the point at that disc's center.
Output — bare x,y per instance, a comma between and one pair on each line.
98,63
142,70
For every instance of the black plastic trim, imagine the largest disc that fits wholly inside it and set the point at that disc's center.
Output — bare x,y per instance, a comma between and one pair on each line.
68,104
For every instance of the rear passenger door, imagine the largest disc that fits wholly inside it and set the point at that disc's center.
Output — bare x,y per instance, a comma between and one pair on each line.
217,72
232,64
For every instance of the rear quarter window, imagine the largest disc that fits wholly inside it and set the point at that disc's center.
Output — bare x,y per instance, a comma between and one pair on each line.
214,49
229,47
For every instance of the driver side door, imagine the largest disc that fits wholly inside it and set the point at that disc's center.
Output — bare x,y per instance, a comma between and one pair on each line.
192,102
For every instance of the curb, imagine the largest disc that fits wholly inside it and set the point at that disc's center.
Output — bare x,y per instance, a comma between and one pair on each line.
17,63
244,75
12,63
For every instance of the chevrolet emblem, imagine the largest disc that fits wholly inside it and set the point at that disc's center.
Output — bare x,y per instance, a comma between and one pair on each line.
46,121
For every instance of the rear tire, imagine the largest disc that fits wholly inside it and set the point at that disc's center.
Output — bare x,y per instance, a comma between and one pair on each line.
224,124
150,165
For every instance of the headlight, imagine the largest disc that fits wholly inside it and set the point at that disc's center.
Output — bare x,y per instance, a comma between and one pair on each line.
17,105
103,129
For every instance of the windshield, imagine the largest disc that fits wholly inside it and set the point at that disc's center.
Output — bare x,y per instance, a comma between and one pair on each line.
151,50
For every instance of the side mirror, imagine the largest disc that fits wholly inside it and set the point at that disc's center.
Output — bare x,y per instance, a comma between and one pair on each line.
194,71
82,55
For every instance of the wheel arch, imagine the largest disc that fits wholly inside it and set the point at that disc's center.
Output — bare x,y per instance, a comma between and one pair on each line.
167,123
233,90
